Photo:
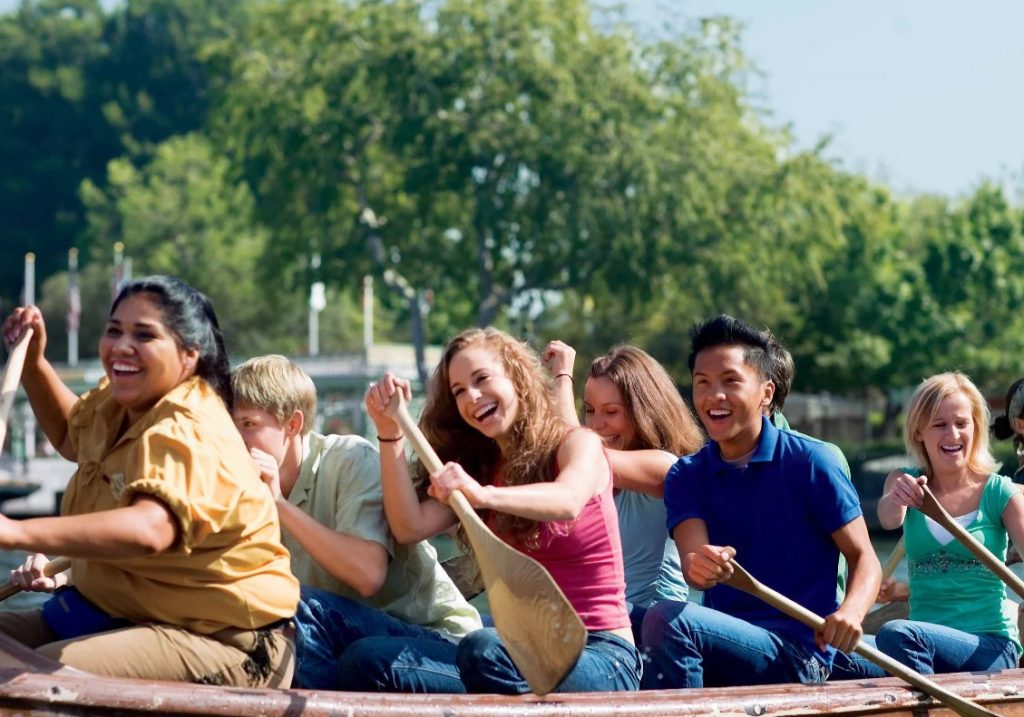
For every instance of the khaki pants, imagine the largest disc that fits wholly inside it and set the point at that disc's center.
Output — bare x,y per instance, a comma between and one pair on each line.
240,658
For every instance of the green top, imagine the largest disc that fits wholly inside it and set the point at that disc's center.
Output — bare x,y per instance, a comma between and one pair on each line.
951,587
339,486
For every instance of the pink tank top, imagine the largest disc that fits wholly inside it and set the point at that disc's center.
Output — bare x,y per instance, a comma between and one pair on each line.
585,559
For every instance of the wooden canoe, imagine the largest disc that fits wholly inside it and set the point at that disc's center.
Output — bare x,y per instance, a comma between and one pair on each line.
31,684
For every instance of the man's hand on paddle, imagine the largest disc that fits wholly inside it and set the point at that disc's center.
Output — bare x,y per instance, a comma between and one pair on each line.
708,566
842,630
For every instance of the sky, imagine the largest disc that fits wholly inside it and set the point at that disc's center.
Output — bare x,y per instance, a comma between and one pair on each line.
923,95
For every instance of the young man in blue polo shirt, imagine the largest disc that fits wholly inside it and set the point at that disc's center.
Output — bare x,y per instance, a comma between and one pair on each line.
777,501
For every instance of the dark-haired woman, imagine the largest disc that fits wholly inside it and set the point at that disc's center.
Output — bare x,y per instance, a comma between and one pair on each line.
1011,425
178,568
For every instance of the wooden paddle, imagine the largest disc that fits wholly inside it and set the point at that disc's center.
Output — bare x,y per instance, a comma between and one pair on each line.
55,566
934,510
8,388
894,560
742,580
540,629
11,379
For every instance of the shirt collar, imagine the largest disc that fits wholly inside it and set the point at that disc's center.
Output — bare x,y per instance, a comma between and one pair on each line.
312,445
763,453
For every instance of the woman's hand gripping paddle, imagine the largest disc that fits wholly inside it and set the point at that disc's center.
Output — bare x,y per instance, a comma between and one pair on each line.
742,580
540,629
8,388
54,567
934,510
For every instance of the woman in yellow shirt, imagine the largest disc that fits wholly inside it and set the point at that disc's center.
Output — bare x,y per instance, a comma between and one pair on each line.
177,563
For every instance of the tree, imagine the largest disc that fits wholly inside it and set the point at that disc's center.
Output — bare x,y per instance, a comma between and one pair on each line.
182,214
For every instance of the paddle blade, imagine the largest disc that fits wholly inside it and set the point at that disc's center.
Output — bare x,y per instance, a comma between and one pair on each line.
542,632
11,379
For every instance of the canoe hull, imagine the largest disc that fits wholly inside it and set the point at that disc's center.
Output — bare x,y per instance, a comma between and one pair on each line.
71,692
32,684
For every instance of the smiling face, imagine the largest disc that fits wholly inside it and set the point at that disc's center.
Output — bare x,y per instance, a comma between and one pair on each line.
730,396
949,437
605,413
141,356
484,395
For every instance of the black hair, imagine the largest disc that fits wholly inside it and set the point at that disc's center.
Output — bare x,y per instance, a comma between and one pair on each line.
783,372
189,315
725,330
1002,428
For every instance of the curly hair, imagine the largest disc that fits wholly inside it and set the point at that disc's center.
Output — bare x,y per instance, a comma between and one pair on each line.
658,414
534,436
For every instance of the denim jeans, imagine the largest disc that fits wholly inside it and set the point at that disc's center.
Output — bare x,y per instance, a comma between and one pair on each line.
398,664
478,664
327,624
931,649
851,666
689,645
608,664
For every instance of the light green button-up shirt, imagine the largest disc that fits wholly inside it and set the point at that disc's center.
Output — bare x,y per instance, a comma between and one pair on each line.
339,486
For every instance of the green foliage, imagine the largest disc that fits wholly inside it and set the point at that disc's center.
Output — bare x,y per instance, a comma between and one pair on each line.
530,163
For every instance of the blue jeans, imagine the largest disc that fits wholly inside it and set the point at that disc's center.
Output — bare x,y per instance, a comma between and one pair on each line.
689,645
327,624
930,648
851,666
398,664
608,664
478,664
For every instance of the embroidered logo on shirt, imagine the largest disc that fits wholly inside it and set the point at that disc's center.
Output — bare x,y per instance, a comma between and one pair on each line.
117,485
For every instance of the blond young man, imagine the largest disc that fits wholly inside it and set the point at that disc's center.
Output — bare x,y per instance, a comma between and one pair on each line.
356,582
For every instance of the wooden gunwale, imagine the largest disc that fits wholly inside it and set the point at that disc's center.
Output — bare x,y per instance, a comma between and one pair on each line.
31,684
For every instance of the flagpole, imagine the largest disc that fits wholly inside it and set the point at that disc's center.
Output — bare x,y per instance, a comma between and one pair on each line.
74,307
29,299
367,314
118,267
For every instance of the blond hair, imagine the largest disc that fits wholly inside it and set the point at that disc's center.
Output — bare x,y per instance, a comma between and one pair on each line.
275,384
924,404
534,436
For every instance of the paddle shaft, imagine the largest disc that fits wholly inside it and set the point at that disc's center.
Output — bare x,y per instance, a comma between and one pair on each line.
11,379
54,567
894,560
934,510
747,583
430,459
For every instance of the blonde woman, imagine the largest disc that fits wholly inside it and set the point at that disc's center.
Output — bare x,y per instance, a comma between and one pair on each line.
959,617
